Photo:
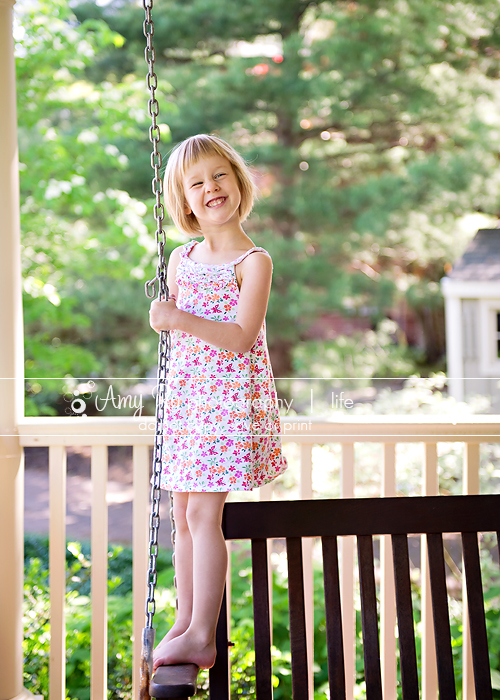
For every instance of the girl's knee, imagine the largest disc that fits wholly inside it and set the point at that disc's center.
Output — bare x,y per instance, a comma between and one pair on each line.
205,509
180,509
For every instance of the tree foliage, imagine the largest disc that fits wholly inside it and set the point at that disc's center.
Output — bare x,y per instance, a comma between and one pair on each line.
86,245
373,129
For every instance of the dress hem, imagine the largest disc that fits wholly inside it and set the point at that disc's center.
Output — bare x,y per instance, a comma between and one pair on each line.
256,485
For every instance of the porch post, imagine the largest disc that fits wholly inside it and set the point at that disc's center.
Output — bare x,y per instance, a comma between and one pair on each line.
454,340
11,378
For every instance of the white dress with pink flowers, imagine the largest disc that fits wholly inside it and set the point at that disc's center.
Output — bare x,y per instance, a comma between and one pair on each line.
222,427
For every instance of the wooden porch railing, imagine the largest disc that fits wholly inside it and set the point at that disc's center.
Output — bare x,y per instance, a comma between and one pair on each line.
99,433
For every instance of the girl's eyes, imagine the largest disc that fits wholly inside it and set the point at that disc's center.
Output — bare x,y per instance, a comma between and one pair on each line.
216,177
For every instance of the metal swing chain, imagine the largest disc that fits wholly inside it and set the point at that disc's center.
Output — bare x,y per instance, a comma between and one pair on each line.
164,346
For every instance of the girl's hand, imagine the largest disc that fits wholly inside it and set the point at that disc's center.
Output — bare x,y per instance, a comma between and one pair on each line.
163,315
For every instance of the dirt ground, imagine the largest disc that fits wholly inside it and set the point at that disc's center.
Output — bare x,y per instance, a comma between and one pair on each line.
79,495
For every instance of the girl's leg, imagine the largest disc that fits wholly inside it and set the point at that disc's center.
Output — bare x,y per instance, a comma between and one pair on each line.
197,644
183,569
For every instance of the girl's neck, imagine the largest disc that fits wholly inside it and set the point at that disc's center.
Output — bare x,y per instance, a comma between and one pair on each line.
227,241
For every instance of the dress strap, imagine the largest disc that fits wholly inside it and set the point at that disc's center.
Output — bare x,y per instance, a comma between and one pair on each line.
247,252
186,248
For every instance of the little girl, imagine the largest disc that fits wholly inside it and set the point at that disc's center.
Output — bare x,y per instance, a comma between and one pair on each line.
222,429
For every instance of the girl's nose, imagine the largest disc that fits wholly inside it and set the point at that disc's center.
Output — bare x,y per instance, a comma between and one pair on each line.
212,186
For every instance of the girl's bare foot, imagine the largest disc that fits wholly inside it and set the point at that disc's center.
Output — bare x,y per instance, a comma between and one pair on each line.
176,630
188,648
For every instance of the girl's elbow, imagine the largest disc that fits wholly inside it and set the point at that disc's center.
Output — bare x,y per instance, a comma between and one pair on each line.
243,342
241,346
246,344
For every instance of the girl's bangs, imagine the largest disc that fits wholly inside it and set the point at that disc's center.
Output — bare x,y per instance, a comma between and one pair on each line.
197,147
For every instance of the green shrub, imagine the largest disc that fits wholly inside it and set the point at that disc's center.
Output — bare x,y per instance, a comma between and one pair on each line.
78,623
78,618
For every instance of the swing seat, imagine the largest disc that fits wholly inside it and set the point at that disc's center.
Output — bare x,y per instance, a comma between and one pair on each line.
176,681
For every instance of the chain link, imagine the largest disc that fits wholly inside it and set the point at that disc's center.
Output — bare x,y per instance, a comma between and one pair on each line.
156,287
154,523
156,160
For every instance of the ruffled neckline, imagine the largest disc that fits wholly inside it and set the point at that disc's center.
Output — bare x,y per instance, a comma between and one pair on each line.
189,247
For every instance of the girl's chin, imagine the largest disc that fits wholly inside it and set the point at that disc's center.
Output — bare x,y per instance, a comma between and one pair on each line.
222,220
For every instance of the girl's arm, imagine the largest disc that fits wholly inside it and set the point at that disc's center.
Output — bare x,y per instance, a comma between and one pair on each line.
238,337
173,261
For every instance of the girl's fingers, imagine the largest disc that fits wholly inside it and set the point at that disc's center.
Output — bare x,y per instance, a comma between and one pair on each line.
161,313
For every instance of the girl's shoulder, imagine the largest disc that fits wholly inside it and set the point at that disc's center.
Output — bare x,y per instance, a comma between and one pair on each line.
180,253
246,254
183,250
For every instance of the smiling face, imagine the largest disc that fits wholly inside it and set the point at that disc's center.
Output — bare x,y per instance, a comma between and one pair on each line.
212,193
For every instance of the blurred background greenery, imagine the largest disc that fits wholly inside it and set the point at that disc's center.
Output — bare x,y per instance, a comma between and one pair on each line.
373,131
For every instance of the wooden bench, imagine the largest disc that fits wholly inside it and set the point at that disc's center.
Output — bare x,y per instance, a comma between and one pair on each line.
364,518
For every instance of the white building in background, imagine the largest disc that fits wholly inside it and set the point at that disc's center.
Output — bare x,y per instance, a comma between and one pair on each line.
472,307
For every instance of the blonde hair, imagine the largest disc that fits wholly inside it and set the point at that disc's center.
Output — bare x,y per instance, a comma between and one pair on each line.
182,157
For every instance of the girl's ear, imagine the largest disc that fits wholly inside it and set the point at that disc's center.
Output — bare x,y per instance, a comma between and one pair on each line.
187,209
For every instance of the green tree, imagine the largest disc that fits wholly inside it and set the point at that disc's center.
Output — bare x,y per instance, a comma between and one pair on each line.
373,127
86,245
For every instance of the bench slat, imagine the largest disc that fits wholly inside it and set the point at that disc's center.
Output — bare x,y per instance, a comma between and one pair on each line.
219,673
300,689
262,633
360,516
446,678
404,607
475,600
333,614
371,648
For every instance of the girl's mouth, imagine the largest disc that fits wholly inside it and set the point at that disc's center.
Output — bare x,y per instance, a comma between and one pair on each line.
217,202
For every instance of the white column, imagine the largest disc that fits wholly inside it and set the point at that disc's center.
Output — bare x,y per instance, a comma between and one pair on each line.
99,584
11,377
454,344
306,493
347,556
472,460
387,586
140,553
265,494
57,569
429,663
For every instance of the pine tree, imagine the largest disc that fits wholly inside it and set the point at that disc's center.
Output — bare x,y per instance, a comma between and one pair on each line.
373,127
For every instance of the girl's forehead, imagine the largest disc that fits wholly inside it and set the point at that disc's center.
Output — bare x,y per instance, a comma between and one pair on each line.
205,162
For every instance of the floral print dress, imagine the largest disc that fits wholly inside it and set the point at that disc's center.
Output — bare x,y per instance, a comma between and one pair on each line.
222,427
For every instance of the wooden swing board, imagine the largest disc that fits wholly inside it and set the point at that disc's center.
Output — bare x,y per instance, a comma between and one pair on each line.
176,681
